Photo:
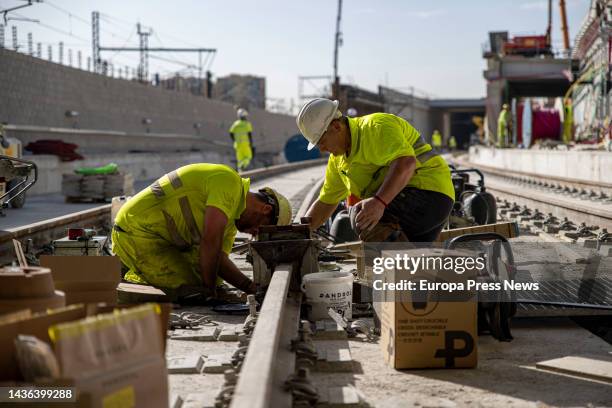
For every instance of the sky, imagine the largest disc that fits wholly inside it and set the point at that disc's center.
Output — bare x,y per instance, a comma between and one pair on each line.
435,46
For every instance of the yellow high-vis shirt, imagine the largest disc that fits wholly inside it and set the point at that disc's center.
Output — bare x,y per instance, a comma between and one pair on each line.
173,208
376,141
241,129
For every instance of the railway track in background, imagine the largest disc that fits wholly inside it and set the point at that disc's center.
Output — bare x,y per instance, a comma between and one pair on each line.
37,235
585,205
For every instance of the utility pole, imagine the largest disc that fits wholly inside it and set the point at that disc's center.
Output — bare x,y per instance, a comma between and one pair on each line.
1,35
15,42
30,44
95,41
337,44
143,68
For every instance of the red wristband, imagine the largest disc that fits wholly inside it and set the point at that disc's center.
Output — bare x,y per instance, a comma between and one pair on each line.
381,200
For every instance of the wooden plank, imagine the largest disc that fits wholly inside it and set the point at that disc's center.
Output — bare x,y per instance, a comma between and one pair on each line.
506,229
254,388
134,293
600,370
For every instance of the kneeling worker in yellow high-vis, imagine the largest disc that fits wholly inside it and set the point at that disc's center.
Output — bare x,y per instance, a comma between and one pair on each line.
392,175
177,233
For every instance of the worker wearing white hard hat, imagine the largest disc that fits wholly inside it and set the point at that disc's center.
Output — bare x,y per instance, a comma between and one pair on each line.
383,167
241,133
178,232
351,112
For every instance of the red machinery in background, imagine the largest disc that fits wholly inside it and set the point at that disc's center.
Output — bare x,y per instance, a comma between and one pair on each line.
528,45
532,45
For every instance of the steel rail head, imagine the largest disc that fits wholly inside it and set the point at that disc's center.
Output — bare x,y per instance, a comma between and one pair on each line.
255,382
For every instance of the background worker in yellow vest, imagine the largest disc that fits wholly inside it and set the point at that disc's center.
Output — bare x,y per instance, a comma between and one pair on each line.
383,161
503,126
177,233
568,121
241,134
452,143
436,140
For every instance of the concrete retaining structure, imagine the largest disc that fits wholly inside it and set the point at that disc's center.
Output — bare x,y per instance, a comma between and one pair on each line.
593,166
35,92
143,166
109,141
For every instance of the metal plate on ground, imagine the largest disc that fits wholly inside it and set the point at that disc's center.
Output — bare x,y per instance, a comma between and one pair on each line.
596,291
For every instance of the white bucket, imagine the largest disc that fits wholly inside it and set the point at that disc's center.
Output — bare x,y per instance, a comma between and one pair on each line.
328,290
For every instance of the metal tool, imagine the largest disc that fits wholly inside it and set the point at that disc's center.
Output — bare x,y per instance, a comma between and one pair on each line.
494,315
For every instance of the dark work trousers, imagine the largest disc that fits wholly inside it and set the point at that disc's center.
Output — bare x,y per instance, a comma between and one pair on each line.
420,213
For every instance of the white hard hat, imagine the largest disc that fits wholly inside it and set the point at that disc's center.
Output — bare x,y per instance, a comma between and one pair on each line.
282,207
314,118
242,113
352,112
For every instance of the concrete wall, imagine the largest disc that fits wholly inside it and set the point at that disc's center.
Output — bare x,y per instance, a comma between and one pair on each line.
595,166
99,141
414,109
37,92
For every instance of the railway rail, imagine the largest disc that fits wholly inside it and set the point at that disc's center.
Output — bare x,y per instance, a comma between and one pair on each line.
552,199
43,232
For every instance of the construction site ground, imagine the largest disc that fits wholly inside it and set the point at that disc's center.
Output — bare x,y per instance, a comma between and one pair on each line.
505,375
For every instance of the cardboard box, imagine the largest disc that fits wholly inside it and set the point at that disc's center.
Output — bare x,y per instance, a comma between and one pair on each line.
115,357
427,329
128,355
92,296
85,279
36,325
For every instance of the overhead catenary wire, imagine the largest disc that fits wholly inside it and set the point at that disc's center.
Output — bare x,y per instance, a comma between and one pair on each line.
119,30
174,61
58,30
76,17
86,41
